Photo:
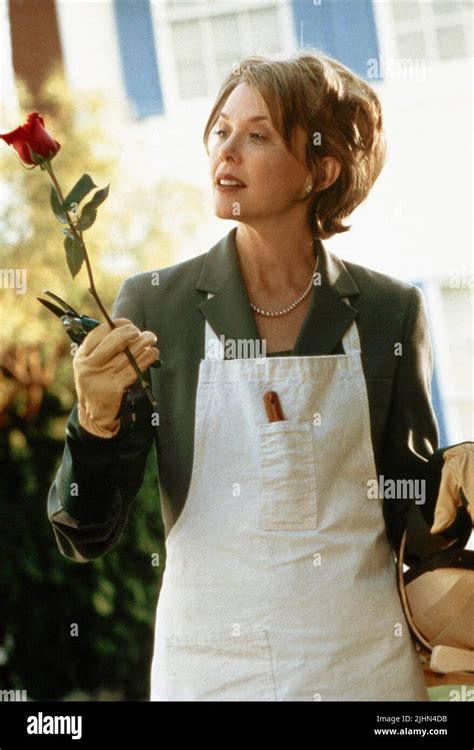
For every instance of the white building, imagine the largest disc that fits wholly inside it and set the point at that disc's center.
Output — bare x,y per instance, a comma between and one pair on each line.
162,62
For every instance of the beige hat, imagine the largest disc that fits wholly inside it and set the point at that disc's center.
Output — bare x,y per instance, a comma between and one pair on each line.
438,599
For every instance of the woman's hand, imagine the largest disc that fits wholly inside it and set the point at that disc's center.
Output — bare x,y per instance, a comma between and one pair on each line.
102,372
456,486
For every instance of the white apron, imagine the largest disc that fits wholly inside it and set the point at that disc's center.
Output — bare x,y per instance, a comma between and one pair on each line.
280,583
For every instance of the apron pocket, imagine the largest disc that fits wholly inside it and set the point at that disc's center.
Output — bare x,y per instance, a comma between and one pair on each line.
215,667
288,477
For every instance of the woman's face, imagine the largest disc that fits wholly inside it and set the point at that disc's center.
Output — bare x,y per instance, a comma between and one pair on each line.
244,145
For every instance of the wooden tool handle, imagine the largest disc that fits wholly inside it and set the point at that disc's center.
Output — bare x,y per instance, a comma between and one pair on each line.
272,405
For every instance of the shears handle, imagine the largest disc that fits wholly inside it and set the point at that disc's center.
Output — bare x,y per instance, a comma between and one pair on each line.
77,328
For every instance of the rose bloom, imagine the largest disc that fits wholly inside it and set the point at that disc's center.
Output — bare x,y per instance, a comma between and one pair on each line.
32,135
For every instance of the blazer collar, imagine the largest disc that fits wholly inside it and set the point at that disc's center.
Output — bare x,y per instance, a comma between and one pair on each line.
229,313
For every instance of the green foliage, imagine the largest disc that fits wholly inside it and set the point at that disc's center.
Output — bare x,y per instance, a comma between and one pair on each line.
43,595
74,255
57,206
82,188
138,229
89,212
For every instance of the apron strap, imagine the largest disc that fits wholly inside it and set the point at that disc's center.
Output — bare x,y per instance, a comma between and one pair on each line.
214,348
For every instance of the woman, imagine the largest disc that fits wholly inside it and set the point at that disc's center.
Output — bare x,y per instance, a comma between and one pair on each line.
279,580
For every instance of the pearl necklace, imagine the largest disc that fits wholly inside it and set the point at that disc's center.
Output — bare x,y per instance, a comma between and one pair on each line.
293,304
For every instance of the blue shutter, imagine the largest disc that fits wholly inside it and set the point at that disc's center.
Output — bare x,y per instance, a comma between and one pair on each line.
138,56
344,29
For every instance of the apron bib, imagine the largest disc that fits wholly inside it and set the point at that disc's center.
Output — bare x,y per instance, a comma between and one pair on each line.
280,583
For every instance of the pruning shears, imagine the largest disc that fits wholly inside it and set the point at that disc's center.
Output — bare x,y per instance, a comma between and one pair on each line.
77,326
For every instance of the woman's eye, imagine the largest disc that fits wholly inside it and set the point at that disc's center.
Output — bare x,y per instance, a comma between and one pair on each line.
220,133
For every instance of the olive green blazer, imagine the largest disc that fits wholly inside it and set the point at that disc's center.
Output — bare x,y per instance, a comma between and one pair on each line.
109,472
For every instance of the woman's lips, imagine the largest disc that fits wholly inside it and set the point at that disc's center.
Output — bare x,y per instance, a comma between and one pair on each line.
228,188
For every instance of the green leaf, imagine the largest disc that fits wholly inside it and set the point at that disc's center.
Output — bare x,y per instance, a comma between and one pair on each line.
89,212
99,197
56,206
88,216
82,188
74,255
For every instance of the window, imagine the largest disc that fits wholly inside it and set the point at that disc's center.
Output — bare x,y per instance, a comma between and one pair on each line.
433,30
189,59
209,37
451,42
226,43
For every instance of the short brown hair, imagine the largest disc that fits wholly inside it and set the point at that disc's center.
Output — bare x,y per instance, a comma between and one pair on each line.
323,96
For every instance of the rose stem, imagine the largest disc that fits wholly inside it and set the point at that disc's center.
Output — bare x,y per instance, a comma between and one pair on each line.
78,235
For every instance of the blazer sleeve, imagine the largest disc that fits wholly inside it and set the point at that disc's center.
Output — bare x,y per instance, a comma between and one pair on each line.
411,435
98,478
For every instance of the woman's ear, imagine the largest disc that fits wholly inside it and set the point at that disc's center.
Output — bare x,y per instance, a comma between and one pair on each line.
330,169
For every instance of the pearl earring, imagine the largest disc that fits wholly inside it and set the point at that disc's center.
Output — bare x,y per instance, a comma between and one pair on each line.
309,188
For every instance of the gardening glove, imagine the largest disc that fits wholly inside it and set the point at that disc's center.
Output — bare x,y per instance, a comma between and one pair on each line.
456,487
102,373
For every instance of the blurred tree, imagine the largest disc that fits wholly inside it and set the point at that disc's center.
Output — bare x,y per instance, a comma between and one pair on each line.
42,594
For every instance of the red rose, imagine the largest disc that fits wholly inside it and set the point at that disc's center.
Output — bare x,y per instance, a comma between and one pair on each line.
32,135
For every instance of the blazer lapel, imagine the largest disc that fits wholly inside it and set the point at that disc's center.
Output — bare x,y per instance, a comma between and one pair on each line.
229,313
328,316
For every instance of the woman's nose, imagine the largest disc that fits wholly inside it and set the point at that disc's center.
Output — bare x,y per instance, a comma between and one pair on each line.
229,149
